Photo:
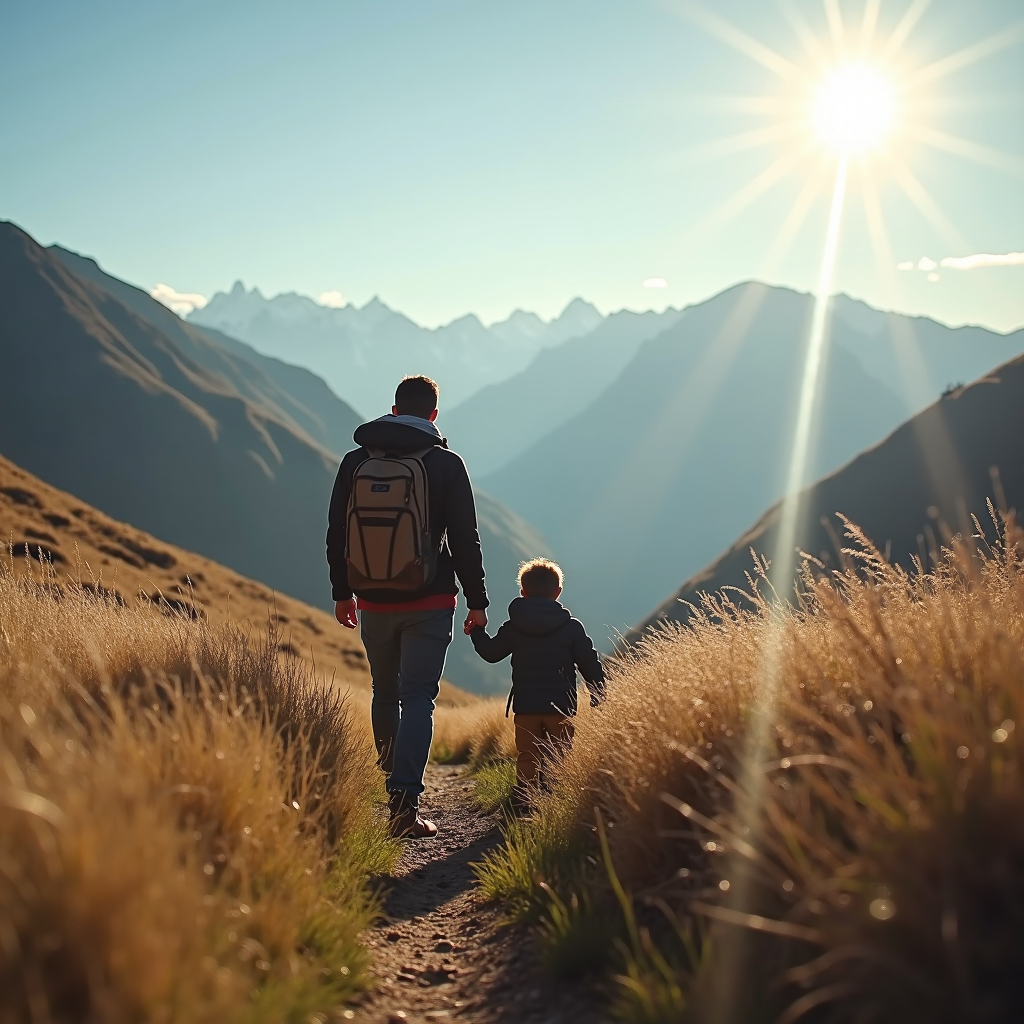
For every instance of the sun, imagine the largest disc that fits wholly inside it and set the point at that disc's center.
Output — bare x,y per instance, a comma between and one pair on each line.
853,109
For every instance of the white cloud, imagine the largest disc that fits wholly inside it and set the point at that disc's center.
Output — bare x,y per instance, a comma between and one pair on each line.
984,259
333,298
181,302
655,282
926,263
905,265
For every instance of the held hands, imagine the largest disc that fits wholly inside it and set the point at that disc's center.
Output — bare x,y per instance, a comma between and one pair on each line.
476,617
345,613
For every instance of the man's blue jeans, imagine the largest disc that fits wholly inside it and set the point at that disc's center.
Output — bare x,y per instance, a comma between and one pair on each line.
406,651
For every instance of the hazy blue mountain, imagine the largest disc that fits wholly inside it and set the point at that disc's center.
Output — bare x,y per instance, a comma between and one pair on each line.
501,420
691,442
915,357
935,469
361,352
186,433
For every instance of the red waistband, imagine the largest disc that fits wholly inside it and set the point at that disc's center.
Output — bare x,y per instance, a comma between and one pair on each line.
422,604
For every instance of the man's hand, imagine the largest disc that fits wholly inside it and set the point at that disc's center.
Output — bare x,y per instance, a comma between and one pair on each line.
476,617
345,613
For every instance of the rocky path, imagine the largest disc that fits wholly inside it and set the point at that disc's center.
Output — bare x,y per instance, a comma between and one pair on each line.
441,952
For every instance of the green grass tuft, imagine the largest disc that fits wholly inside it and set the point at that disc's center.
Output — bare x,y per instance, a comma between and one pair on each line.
494,784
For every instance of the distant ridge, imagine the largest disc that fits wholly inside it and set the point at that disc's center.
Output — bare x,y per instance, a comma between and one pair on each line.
690,442
938,468
361,351
184,433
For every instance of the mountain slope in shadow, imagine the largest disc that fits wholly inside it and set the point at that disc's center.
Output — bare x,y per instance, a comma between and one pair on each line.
108,395
931,473
692,441
294,394
100,402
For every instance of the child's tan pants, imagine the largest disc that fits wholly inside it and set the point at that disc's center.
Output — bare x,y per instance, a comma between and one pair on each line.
537,738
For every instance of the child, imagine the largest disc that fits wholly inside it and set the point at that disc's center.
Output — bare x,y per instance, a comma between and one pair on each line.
547,646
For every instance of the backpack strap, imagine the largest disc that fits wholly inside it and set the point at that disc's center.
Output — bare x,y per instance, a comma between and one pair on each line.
386,453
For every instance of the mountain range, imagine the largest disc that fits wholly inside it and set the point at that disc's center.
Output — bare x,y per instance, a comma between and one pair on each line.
361,352
183,433
691,441
635,448
907,493
506,418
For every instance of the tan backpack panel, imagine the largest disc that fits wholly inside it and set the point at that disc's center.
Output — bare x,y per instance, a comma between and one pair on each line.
388,526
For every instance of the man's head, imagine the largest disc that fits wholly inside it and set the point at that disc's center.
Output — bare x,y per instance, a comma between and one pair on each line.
416,396
540,577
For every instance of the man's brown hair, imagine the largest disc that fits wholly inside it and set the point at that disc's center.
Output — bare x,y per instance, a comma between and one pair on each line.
416,396
540,577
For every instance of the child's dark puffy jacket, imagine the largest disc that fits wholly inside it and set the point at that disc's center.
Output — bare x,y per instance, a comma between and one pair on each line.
547,646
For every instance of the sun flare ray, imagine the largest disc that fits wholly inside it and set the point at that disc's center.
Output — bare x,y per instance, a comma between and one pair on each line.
902,31
738,142
869,24
836,28
968,55
740,200
725,31
987,156
805,34
922,199
802,205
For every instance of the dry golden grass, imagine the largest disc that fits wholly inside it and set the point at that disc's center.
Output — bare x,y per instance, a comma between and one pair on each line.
87,546
474,733
826,804
186,818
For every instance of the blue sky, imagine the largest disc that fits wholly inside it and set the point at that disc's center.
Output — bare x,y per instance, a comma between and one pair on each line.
457,156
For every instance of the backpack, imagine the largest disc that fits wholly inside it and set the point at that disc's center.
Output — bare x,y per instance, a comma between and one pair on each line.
388,524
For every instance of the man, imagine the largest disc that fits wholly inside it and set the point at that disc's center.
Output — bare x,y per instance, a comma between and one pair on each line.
406,632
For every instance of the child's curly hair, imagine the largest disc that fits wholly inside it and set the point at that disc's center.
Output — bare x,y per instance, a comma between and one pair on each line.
540,577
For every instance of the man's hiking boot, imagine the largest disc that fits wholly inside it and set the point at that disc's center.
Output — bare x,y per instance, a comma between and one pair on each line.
405,821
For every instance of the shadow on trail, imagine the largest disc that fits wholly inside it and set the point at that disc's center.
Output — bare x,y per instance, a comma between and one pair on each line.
443,872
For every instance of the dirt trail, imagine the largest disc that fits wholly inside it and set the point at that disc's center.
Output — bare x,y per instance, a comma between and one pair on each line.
441,953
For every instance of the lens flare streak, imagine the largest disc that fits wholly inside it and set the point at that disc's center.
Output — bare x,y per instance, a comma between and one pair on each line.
810,383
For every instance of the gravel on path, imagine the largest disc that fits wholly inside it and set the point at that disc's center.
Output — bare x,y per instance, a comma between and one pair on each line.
441,953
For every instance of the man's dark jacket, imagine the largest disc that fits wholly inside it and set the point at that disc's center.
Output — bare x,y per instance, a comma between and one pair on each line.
547,646
452,510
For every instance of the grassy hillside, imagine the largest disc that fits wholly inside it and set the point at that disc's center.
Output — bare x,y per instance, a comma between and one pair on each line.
809,814
122,562
927,477
186,818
